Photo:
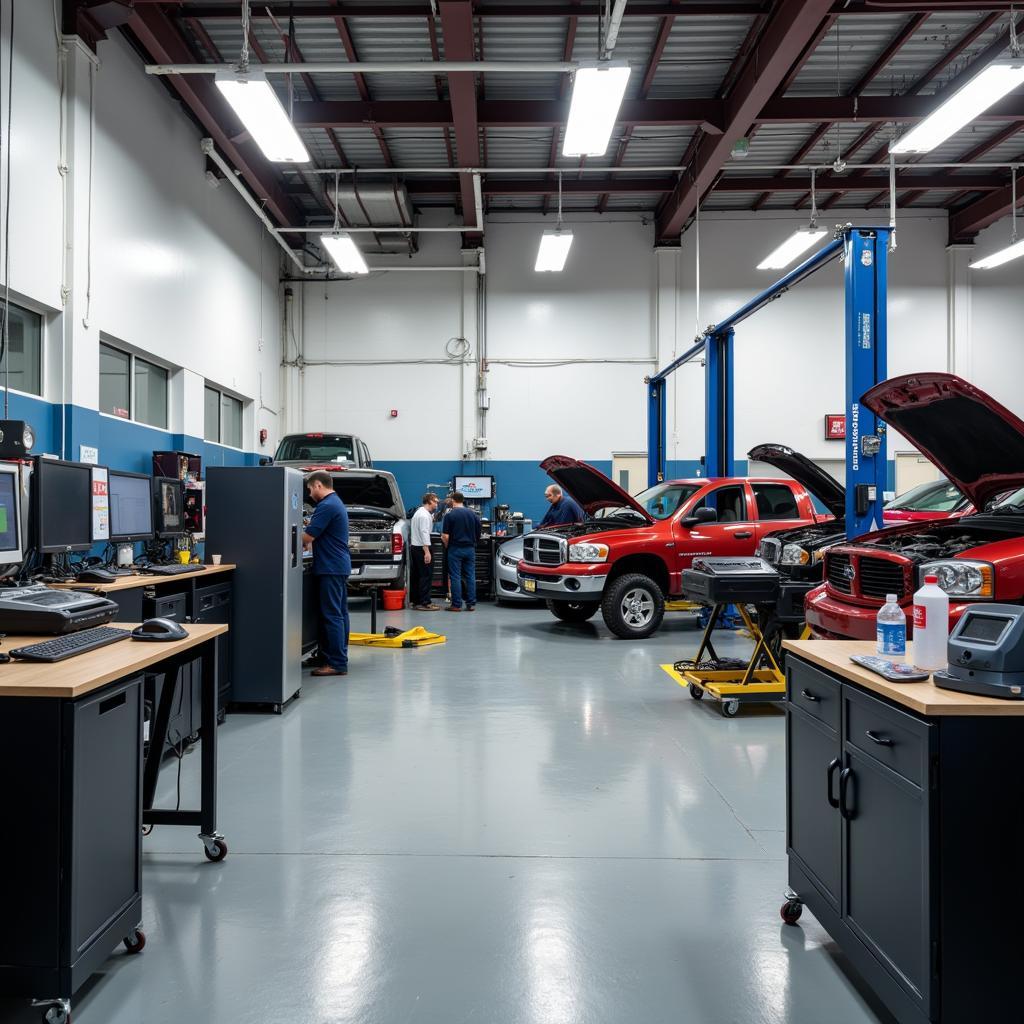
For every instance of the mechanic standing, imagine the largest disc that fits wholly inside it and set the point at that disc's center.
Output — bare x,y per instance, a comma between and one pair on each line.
460,532
419,544
563,510
327,534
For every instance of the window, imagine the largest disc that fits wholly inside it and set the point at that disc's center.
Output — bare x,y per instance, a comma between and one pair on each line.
132,388
222,418
729,502
23,364
774,501
662,500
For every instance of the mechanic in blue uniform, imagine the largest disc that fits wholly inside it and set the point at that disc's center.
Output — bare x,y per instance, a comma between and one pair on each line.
327,534
563,509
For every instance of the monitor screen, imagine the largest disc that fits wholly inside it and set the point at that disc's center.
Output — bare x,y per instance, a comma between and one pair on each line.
131,506
10,515
475,488
63,498
985,629
168,506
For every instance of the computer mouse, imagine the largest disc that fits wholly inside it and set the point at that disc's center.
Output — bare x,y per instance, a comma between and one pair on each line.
160,630
96,576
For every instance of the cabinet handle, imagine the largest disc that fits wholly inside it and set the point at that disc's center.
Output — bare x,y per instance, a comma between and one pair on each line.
830,781
882,741
844,781
807,695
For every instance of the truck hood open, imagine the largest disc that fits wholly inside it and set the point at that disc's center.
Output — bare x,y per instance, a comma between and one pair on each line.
976,442
589,486
826,488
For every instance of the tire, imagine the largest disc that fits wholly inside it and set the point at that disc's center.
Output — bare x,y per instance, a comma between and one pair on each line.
573,611
633,606
729,708
696,692
220,851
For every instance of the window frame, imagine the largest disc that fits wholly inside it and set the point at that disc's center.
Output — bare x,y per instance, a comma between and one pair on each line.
132,416
221,394
754,484
702,502
32,310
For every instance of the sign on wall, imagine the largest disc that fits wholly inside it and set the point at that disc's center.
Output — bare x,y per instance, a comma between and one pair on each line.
100,504
835,427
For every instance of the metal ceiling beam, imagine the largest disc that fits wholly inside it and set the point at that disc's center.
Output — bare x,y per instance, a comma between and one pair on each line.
460,44
159,37
967,222
787,33
975,154
887,109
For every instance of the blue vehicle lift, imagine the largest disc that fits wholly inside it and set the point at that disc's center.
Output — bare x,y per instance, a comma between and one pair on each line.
865,252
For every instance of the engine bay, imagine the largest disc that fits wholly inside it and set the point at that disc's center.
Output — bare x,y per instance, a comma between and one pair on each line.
945,541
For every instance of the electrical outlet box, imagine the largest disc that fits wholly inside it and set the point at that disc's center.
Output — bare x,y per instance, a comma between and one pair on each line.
480,444
483,401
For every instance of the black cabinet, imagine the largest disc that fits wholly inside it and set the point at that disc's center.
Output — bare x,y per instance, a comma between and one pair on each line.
213,605
184,720
898,828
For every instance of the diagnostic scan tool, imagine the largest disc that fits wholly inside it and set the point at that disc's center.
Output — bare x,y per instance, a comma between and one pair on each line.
986,653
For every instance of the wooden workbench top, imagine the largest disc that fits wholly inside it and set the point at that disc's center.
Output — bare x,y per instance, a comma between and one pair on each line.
924,697
87,672
142,579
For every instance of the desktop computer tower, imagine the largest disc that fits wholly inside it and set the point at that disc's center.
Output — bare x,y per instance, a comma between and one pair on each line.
254,520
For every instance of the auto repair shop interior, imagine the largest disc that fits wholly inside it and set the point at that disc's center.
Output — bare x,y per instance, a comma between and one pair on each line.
663,343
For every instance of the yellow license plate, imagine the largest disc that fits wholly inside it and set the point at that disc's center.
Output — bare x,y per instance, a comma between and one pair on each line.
530,586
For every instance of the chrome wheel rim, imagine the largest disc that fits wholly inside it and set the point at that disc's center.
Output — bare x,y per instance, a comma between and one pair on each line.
637,608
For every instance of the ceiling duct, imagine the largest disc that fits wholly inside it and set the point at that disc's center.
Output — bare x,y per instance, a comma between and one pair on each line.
382,204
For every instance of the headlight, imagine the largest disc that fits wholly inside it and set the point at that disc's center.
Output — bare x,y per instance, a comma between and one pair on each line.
793,554
588,552
961,578
506,561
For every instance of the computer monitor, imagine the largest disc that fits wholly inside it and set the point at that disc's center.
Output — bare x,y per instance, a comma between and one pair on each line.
10,514
62,495
131,506
475,488
168,506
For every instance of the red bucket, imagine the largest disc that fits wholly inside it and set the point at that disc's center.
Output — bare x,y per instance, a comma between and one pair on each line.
393,600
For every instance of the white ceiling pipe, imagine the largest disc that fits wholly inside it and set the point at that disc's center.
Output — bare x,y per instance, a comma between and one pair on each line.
210,150
478,202
360,67
373,230
611,33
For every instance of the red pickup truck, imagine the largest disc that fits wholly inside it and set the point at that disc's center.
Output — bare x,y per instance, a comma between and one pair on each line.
979,445
627,557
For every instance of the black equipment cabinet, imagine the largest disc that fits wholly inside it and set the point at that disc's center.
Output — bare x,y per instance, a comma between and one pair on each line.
185,710
904,841
213,605
71,865
484,568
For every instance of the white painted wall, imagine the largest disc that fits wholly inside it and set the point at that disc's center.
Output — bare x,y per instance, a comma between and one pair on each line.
180,271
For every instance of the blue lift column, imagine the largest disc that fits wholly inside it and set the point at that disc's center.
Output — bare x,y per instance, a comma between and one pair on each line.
718,403
866,254
655,430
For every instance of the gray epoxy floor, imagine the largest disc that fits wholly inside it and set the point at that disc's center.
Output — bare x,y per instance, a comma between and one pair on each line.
531,824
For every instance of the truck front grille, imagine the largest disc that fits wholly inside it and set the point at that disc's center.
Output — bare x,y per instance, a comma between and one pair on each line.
541,550
837,573
867,578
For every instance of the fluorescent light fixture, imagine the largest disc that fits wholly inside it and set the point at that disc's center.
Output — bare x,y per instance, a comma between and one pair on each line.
800,241
984,89
597,91
253,99
345,253
554,250
997,259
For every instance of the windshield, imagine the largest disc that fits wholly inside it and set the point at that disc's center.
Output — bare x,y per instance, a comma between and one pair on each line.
936,496
317,448
662,500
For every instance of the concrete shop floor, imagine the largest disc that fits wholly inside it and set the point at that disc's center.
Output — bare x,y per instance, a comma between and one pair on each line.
530,824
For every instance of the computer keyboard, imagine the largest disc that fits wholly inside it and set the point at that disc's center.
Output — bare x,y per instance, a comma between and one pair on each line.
173,570
70,644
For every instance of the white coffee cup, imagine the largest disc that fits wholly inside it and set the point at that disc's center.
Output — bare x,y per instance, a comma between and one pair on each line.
215,559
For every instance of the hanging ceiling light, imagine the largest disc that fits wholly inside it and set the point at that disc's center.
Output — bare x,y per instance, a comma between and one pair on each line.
597,91
256,105
800,241
347,256
554,242
987,87
1014,249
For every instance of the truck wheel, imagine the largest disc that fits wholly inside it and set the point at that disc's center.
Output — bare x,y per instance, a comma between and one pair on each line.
633,606
573,611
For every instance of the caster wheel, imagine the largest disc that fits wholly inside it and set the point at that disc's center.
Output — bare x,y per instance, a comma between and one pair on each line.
729,708
696,692
219,851
791,910
57,1015
136,943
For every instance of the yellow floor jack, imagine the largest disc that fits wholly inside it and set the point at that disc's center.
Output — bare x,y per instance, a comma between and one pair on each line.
392,637
759,681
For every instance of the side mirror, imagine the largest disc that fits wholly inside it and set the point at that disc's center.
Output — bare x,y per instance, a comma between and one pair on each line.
701,515
266,460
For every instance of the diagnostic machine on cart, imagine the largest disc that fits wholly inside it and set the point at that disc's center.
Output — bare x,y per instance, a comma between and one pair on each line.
986,653
719,582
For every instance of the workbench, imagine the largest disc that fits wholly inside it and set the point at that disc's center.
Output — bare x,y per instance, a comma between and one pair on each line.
904,832
76,794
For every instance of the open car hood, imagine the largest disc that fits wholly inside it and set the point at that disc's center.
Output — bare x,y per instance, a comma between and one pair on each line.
826,488
589,486
976,442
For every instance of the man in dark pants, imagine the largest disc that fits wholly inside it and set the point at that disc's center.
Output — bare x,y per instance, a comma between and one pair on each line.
459,532
419,552
327,534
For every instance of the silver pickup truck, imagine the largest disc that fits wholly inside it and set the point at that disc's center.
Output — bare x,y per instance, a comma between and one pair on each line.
377,525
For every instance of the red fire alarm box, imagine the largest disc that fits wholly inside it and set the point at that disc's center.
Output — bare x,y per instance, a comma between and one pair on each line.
835,427
394,414
264,434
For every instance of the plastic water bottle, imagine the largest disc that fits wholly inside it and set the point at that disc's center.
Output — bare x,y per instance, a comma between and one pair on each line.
931,626
891,628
